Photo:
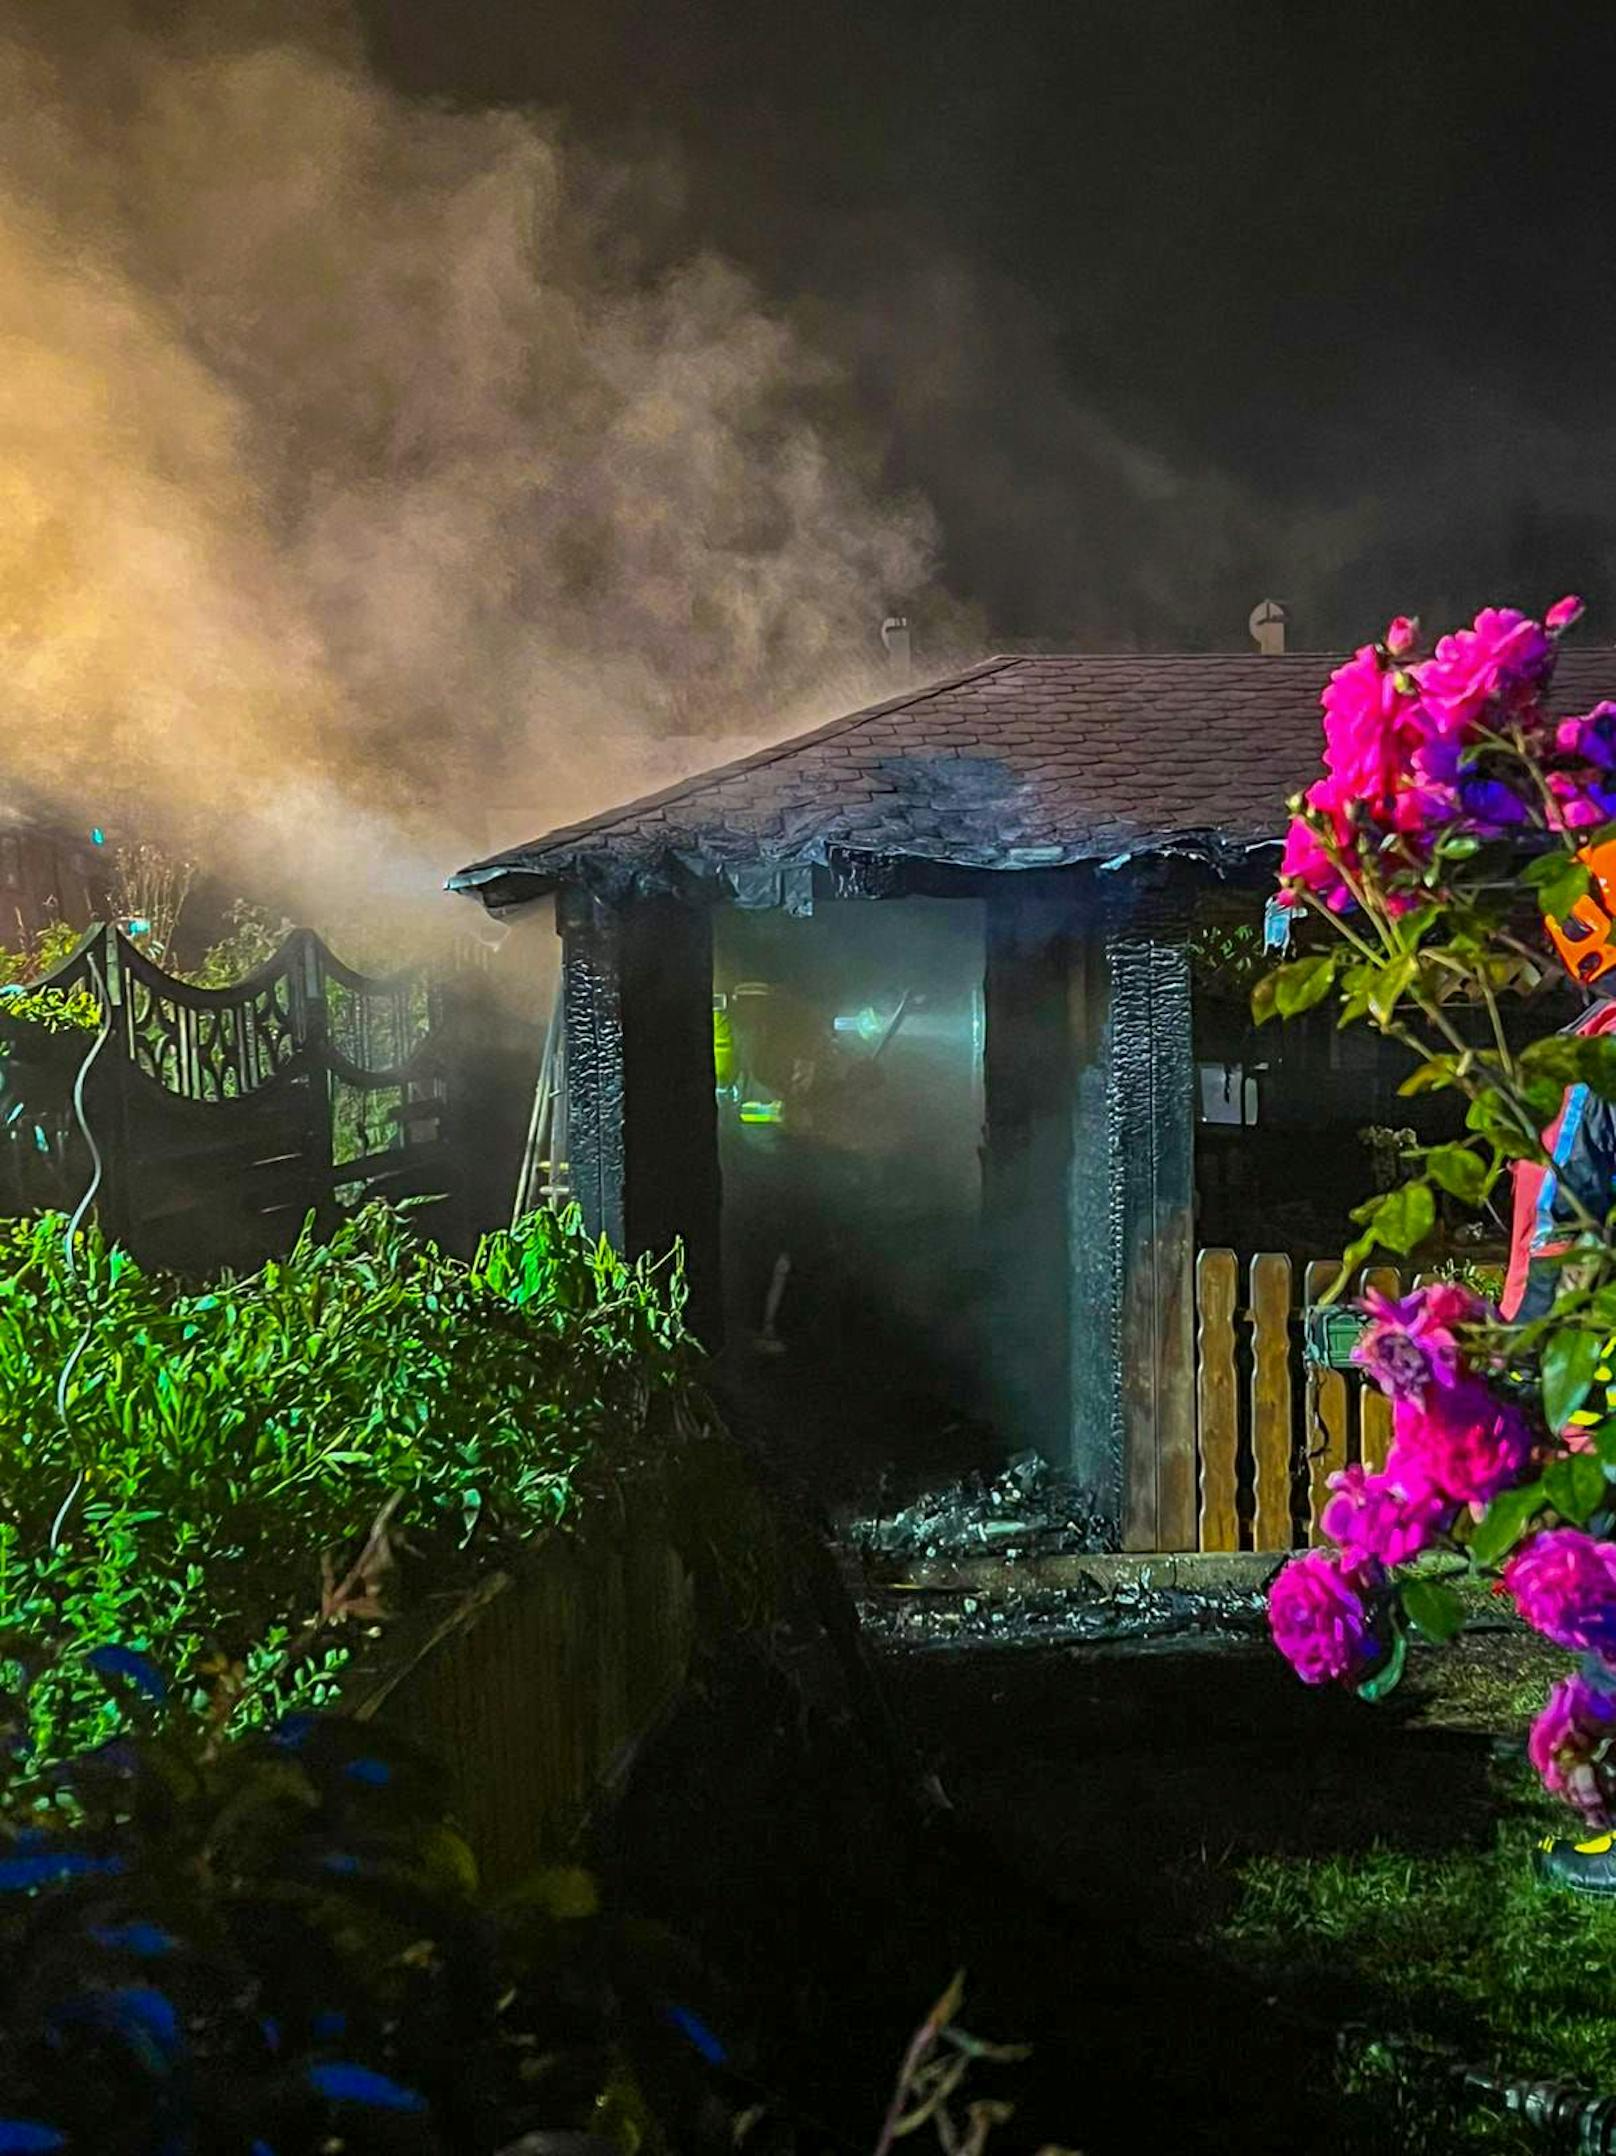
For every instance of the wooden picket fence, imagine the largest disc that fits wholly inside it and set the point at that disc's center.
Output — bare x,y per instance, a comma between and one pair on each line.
1270,1427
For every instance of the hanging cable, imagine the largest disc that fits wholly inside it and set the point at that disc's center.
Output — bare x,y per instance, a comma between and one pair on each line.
75,1223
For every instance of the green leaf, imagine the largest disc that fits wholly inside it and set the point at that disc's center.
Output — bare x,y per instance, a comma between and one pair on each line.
1402,1219
1559,880
1576,1487
1437,1073
1385,1679
1303,983
1505,1521
1458,1171
1433,1609
1489,1115
1566,1059
1393,981
1569,1362
1263,1005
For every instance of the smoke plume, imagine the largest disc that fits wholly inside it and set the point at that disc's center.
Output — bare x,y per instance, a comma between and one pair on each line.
373,476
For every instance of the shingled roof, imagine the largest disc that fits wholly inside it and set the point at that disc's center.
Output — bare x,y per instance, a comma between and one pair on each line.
1019,763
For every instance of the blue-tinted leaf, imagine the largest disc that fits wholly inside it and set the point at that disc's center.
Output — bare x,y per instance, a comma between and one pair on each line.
47,1866
136,1937
327,2026
21,2137
344,2083
142,2017
374,1771
294,1731
696,2033
115,1661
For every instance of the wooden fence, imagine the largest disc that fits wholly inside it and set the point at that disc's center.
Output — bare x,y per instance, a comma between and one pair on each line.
225,1116
1271,1428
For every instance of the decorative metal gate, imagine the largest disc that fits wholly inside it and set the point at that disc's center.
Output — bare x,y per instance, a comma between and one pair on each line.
225,1116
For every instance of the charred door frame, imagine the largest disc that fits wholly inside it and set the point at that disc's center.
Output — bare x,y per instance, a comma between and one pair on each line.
1090,1155
642,1110
1109,1028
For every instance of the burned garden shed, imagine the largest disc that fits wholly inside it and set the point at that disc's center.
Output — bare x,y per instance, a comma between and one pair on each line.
895,1024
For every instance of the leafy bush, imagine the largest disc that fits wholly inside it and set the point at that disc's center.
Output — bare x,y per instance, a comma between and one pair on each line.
56,1010
38,954
251,941
25,997
368,1404
281,1944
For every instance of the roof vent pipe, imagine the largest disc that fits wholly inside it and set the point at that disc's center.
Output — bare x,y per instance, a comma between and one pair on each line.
1267,625
895,636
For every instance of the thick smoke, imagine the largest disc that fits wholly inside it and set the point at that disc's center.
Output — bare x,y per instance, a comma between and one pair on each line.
371,483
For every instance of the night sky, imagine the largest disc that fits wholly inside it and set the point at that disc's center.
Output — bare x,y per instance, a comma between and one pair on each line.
1165,304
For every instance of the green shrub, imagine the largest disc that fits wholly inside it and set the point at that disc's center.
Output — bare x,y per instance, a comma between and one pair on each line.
369,1409
57,1010
280,1943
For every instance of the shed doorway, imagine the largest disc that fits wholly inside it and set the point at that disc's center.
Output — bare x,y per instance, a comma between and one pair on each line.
848,1058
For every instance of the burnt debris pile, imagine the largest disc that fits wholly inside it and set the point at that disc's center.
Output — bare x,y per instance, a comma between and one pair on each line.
1026,1510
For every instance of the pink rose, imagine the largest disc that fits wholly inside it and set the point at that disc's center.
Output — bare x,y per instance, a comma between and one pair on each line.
1306,864
1562,615
1590,739
1371,729
1570,1746
1401,636
1564,1585
1581,800
1388,1517
1410,1344
1504,657
1320,1619
1464,1439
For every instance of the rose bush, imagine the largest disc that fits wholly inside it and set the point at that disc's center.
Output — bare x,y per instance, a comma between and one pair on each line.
1451,820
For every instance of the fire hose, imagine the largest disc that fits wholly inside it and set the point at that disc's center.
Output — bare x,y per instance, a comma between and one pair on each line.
70,1239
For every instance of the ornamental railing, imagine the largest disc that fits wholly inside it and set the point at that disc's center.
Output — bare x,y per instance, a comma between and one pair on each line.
225,1116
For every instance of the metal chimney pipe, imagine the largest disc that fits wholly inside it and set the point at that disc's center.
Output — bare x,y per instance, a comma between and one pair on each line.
1267,625
895,636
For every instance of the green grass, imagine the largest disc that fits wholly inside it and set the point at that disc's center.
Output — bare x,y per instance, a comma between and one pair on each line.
1461,1948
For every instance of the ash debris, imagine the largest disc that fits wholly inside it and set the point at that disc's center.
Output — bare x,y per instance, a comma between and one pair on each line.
1081,1614
1026,1510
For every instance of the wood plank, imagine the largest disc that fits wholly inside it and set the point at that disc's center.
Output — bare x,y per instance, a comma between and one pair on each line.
1271,1425
1217,1280
1327,1410
1374,1409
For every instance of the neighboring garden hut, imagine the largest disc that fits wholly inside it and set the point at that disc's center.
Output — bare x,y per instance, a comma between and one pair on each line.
921,1029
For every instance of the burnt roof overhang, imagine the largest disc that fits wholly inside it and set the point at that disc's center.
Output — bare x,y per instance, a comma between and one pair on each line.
717,869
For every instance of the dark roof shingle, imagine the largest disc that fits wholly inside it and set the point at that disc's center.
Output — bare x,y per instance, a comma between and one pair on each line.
1019,762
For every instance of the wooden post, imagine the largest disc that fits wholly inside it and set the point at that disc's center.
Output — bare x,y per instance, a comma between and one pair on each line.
671,1189
591,976
1374,1409
1271,1400
1325,1430
642,1116
1132,1231
1217,1279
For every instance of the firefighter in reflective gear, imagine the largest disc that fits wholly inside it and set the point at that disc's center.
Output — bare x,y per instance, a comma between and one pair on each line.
1551,1199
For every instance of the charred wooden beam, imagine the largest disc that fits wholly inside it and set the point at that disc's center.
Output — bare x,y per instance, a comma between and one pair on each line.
1132,1225
642,1117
